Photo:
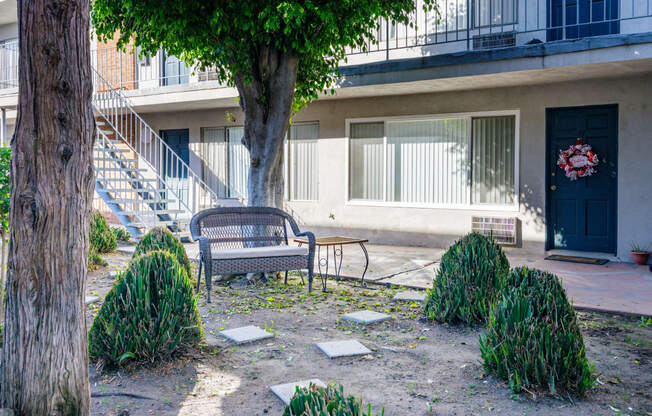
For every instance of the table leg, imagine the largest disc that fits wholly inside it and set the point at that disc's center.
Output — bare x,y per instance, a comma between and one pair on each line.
366,266
338,268
323,261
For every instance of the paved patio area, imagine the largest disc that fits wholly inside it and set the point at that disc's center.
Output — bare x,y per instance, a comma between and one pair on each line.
617,287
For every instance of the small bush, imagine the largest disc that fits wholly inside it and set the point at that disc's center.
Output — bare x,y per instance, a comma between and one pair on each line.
329,401
160,238
471,275
532,338
150,313
95,260
102,239
121,234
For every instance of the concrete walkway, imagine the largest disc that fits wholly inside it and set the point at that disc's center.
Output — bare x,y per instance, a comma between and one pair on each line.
616,287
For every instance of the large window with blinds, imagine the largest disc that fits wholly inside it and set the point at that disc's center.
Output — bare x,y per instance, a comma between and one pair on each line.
438,161
302,162
225,161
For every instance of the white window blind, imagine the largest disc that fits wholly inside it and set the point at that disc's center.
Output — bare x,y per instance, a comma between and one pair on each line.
493,160
427,161
366,161
494,12
213,158
438,161
238,163
303,162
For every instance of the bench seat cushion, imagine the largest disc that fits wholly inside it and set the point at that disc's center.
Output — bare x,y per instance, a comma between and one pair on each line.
254,252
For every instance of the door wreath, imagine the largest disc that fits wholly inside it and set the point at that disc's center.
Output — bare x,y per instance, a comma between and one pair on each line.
578,161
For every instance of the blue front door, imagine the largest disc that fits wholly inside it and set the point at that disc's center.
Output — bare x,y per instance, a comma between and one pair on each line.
581,214
175,173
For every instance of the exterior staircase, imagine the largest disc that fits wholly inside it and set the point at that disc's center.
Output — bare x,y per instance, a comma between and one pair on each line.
139,177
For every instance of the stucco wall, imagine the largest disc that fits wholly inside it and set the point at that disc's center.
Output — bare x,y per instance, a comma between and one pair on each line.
437,227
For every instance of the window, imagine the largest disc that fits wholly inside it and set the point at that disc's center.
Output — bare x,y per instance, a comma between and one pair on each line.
302,167
453,161
225,161
494,12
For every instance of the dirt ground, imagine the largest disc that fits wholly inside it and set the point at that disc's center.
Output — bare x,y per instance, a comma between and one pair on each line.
416,368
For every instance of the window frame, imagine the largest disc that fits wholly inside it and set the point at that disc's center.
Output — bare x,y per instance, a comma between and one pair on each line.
469,206
286,168
475,12
226,158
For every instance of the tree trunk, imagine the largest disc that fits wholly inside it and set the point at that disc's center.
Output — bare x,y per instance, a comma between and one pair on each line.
267,104
45,354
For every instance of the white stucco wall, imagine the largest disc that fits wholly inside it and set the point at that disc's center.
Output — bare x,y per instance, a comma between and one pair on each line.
438,227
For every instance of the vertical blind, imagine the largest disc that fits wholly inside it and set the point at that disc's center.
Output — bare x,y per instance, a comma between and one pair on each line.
213,159
303,162
493,160
455,161
427,161
237,162
366,161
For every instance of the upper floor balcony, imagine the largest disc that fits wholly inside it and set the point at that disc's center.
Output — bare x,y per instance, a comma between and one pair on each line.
461,28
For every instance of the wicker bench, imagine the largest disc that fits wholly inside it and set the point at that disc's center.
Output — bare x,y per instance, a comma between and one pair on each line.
239,240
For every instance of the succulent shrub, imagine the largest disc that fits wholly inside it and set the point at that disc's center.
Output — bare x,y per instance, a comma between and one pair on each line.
160,238
471,275
121,234
150,313
329,401
533,339
102,239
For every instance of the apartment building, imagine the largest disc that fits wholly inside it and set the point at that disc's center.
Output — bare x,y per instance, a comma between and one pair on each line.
452,126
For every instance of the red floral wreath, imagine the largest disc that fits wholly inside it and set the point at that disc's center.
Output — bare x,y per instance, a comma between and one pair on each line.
578,161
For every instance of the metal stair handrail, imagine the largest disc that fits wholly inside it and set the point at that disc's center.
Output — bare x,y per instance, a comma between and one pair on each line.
103,142
115,109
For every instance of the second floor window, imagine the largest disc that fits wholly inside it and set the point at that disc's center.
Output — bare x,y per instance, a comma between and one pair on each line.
494,12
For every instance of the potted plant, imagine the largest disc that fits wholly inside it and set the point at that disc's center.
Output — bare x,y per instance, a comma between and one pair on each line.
640,253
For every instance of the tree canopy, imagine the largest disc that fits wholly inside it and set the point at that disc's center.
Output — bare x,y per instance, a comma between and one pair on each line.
233,37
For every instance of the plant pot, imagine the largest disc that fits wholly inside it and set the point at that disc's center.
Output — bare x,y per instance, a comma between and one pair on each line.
640,257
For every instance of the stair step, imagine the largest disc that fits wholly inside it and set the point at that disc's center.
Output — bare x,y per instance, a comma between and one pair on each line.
114,159
113,149
147,201
156,211
158,222
119,190
129,180
121,169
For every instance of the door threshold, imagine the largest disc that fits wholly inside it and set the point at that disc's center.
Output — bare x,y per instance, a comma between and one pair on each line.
576,253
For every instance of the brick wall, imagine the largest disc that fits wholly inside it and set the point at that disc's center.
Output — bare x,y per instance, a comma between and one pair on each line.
117,67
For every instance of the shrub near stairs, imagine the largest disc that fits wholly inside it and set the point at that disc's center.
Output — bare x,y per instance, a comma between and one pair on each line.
150,313
160,238
471,275
101,240
533,339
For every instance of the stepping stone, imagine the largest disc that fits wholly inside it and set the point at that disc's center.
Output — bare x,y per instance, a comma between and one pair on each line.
91,299
410,295
285,392
366,317
348,348
245,334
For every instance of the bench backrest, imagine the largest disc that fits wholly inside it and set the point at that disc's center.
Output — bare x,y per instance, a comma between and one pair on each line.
241,227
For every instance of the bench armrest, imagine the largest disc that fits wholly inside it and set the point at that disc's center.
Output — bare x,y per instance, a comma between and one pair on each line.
204,249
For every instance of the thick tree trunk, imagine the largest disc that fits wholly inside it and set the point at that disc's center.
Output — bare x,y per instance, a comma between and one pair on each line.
267,105
45,355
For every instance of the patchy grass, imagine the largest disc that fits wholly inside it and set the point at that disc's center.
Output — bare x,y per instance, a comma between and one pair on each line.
415,368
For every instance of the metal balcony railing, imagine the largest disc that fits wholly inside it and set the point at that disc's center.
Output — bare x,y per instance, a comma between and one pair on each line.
463,25
130,70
